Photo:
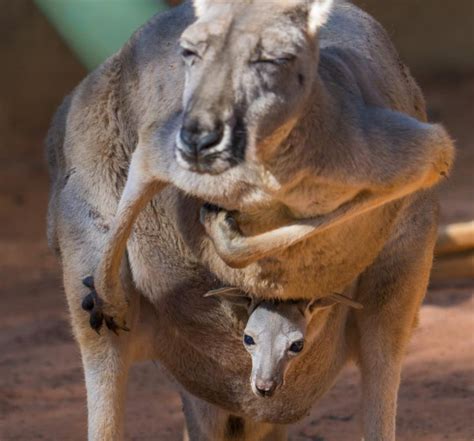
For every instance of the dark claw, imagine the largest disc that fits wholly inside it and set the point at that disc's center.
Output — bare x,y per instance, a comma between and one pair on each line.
88,302
93,304
110,323
89,282
96,320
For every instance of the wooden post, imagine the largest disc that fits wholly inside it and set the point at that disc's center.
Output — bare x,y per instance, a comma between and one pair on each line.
455,238
454,252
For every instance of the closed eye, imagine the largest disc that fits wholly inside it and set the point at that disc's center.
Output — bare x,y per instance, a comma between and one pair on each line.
188,54
278,61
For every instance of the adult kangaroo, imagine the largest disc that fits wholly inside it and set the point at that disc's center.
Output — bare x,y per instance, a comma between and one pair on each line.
316,135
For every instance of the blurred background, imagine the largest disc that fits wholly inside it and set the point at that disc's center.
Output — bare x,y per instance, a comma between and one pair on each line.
46,48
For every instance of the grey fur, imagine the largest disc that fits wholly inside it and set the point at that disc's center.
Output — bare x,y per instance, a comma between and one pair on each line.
333,188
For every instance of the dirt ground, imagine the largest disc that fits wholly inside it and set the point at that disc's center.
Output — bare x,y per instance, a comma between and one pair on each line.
42,394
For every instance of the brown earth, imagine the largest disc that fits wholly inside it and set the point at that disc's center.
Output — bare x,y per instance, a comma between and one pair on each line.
42,395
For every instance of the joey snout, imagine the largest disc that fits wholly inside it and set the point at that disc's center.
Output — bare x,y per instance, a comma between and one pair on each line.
268,371
265,388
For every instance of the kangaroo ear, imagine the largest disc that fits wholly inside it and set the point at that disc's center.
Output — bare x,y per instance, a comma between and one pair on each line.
200,6
234,296
318,14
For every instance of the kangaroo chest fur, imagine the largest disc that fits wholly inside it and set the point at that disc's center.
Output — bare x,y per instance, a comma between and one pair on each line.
315,267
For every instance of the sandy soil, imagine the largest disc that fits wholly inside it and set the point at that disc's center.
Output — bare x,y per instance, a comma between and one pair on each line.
42,395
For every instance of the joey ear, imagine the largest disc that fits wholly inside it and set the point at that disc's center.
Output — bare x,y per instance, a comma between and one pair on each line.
234,296
318,305
318,14
341,298
326,302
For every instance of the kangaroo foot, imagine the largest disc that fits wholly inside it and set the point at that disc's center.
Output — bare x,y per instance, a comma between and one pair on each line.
95,306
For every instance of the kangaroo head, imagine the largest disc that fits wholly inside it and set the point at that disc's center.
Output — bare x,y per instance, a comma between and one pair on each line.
277,333
250,67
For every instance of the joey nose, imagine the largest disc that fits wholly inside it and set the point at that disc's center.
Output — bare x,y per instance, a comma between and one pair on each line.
196,139
265,388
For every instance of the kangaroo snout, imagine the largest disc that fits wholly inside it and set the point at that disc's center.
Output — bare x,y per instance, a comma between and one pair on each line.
196,139
209,144
203,146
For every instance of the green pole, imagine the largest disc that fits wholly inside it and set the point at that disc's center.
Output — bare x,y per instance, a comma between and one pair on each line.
95,29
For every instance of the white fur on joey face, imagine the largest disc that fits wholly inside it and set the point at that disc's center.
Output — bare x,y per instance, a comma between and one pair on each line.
250,70
274,337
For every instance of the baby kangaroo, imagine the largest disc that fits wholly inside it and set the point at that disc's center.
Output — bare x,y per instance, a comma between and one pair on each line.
277,331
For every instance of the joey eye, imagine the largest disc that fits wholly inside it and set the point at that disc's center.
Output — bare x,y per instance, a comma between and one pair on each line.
297,346
248,341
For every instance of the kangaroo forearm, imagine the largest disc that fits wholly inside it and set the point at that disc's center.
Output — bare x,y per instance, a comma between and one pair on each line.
107,302
142,184
245,250
129,208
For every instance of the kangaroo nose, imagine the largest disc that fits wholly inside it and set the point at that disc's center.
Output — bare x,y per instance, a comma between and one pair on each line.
265,388
195,139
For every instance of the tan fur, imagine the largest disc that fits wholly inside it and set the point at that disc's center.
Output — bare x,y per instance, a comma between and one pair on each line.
343,195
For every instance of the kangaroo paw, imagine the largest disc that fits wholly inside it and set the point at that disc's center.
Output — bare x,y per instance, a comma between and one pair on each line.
95,306
208,215
219,222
